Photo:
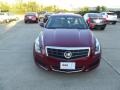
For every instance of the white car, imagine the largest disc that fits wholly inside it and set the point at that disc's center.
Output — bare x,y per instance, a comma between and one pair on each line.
12,17
111,17
4,17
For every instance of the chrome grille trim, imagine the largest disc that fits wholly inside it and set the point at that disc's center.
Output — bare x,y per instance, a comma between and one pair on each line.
67,48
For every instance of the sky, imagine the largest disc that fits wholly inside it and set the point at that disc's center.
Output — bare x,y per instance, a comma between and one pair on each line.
68,4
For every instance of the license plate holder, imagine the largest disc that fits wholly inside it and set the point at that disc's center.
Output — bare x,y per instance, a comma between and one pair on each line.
67,65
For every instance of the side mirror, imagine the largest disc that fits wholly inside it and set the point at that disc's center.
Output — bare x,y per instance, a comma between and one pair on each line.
42,24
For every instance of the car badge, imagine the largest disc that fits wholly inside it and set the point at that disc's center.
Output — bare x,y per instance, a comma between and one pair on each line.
68,54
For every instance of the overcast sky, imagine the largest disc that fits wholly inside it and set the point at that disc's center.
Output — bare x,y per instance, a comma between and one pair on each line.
77,3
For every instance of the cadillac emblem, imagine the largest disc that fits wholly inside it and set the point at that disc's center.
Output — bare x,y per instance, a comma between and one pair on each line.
68,54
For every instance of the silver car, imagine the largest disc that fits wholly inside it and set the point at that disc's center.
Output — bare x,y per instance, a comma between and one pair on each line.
95,21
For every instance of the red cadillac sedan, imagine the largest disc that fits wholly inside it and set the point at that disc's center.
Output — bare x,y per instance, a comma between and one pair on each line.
66,44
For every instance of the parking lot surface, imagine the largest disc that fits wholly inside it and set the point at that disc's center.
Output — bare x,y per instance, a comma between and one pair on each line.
18,71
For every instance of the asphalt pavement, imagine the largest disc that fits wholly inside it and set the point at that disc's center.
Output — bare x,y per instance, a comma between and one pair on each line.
18,71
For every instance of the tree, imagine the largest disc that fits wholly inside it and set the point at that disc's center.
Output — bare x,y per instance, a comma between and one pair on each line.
21,7
32,6
103,8
98,8
84,10
52,8
4,6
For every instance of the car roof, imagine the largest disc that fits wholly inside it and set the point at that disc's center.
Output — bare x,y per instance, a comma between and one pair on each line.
66,14
31,13
107,12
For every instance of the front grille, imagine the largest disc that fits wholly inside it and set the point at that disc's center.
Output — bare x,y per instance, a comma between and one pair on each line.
59,52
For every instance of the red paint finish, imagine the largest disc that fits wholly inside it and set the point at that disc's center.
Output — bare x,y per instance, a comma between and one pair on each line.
67,38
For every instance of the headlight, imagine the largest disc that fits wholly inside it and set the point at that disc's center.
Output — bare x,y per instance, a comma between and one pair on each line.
37,46
97,47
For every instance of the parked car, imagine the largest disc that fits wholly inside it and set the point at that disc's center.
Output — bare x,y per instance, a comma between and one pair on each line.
111,17
66,45
1,18
4,18
12,17
95,20
31,17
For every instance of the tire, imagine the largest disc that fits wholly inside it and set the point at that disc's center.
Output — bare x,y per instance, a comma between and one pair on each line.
36,21
103,27
25,22
114,22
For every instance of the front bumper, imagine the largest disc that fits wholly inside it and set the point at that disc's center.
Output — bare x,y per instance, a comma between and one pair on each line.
98,24
53,64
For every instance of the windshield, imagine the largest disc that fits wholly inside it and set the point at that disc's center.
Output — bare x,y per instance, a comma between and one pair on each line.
66,22
31,14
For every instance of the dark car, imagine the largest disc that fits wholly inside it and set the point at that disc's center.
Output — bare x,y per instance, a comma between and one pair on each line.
47,15
95,20
66,45
31,17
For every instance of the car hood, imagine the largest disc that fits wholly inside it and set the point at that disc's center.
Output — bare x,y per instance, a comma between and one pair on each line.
67,37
